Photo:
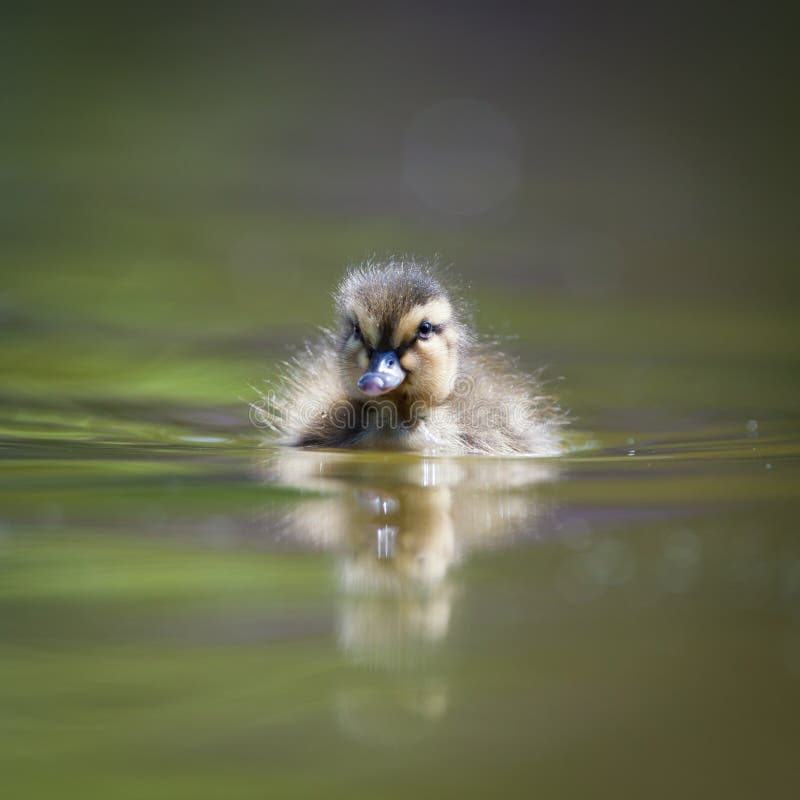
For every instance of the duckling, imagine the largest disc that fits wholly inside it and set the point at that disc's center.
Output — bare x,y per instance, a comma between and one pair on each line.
402,369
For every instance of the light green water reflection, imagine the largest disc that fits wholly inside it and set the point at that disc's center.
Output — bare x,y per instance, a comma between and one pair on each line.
189,620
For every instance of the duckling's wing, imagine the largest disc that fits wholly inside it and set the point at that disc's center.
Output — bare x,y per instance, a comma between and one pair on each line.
304,406
503,408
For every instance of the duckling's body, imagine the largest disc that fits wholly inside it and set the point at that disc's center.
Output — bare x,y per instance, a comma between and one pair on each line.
402,370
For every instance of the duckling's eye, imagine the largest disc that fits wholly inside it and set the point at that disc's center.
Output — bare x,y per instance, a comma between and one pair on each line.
425,330
356,331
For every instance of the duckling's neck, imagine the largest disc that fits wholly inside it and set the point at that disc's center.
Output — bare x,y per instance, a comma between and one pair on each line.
392,412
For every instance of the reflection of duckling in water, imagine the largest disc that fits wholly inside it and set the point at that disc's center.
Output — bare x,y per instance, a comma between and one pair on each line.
402,370
398,523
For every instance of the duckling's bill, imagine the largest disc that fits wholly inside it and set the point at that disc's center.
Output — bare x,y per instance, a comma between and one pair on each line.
383,374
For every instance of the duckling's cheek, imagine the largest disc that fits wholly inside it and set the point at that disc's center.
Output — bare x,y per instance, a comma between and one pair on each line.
354,354
410,361
439,369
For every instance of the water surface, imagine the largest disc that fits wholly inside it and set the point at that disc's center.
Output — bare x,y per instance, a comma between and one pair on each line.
188,613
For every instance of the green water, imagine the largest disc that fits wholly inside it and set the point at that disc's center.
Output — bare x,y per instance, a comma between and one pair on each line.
186,612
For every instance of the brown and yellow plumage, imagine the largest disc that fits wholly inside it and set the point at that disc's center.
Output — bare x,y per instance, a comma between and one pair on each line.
402,369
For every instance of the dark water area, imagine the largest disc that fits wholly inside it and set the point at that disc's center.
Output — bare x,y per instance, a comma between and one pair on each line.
188,611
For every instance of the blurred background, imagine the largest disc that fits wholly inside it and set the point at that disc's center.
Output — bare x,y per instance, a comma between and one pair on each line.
181,187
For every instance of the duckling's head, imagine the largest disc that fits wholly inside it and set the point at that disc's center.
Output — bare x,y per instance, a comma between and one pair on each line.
400,334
